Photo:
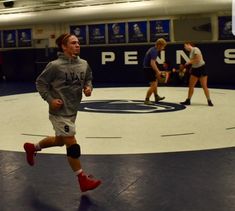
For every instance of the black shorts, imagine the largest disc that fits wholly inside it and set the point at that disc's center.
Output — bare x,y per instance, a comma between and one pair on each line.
199,71
150,74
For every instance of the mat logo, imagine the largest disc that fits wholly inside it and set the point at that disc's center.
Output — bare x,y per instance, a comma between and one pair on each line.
128,106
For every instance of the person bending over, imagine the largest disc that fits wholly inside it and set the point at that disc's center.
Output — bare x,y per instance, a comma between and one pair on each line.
151,70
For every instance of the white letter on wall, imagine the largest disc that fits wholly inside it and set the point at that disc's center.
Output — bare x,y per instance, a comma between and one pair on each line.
229,55
107,57
179,55
130,57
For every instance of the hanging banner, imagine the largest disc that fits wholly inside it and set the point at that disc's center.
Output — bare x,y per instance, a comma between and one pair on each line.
137,32
80,33
159,29
97,34
24,37
9,38
225,28
116,33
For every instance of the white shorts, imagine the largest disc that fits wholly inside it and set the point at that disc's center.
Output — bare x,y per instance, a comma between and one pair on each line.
63,126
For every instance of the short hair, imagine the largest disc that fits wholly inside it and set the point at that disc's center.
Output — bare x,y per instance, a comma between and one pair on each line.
189,43
62,40
161,42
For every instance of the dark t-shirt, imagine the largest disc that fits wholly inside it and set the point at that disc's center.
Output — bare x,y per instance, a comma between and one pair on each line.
150,54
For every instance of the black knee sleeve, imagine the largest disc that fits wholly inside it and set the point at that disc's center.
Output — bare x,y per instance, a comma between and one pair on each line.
74,151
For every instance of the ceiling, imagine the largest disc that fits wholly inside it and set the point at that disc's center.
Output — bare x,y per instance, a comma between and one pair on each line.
42,5
53,11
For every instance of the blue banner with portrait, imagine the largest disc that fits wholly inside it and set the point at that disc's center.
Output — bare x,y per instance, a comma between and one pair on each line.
97,34
225,28
9,38
116,33
137,32
80,32
159,29
24,37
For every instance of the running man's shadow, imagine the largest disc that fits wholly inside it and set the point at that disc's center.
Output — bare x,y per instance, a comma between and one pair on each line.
86,204
95,204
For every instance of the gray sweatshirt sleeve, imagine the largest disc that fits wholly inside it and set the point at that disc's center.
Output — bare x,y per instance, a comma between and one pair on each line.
88,77
43,82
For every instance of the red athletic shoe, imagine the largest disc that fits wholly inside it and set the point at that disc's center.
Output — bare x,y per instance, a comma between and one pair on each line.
87,182
30,153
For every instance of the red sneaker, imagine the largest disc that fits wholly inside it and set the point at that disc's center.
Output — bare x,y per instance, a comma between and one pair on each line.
87,182
30,153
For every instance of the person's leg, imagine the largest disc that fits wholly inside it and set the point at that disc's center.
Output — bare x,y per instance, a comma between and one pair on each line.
192,82
51,141
59,124
152,88
156,96
59,141
65,135
168,75
31,149
203,81
73,153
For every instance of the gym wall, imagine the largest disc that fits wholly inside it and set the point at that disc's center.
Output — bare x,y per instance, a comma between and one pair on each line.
122,63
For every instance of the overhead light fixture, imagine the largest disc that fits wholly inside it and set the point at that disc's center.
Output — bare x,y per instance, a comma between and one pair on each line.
8,4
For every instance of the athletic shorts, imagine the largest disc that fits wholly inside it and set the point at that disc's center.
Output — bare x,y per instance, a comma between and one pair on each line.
63,126
150,74
199,71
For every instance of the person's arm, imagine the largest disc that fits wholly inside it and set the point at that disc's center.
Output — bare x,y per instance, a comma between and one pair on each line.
197,56
88,82
154,66
43,83
196,59
43,87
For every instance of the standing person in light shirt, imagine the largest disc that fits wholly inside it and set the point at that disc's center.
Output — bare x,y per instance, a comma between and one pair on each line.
198,72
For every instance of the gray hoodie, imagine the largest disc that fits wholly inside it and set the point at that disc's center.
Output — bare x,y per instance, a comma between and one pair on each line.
64,78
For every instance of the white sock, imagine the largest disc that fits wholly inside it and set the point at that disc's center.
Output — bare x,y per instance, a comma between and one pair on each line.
78,172
37,147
